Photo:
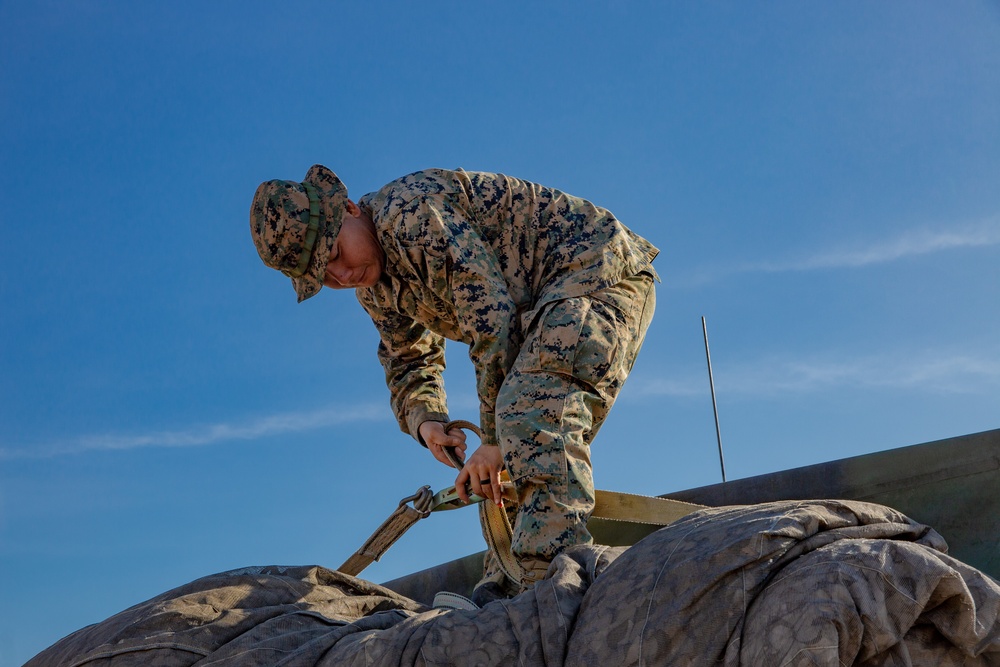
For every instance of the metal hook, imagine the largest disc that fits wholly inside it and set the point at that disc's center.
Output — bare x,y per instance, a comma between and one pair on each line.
421,500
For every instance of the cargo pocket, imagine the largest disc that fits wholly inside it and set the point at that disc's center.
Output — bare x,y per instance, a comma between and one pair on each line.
578,337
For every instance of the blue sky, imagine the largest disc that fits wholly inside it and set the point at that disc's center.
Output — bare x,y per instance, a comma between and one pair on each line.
821,179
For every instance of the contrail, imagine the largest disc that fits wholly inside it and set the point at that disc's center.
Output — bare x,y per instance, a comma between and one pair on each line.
201,436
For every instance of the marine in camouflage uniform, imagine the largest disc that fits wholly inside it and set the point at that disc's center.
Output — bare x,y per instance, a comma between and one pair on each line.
551,293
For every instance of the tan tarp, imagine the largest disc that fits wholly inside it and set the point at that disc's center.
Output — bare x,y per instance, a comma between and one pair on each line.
790,583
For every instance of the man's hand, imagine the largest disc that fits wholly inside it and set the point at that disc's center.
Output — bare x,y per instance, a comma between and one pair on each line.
482,472
434,436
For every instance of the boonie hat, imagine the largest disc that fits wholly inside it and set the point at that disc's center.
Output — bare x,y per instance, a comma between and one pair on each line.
294,226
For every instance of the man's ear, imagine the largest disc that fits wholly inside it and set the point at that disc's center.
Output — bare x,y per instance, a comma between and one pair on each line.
352,209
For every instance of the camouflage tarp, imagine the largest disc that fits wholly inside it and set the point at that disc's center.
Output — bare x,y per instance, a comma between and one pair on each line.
790,583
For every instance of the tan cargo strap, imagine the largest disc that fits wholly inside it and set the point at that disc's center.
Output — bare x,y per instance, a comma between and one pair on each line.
610,505
651,510
496,526
424,502
390,531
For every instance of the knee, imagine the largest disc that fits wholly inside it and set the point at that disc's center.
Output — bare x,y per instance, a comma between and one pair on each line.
528,405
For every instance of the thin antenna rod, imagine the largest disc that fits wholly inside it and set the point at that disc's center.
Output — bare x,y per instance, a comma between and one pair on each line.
715,407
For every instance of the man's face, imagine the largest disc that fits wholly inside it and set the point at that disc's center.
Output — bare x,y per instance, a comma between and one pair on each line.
356,259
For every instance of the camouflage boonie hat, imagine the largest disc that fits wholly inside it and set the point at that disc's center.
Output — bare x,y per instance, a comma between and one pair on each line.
294,226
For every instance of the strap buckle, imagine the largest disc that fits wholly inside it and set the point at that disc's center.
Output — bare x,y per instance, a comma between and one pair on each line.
447,499
422,501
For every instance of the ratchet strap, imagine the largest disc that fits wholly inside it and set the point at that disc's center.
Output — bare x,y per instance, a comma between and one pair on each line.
390,531
650,510
609,505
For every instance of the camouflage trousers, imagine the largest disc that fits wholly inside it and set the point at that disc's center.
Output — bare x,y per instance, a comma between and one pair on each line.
576,355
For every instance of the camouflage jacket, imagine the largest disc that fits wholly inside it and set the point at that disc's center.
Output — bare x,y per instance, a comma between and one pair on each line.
472,257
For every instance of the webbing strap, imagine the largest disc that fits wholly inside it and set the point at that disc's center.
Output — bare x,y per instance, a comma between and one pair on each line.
633,508
390,531
611,505
499,535
496,526
608,505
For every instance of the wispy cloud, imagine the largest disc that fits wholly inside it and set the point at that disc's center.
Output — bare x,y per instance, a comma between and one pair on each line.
930,373
200,436
912,243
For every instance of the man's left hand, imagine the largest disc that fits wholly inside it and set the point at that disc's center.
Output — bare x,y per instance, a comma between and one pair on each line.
482,473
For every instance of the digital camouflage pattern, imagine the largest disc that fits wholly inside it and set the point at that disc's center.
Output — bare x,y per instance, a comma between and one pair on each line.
472,257
295,231
820,583
576,357
577,354
544,289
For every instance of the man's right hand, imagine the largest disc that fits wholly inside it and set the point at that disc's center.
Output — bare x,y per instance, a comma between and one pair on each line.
434,436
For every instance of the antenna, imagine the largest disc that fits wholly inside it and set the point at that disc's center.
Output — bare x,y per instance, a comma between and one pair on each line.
715,407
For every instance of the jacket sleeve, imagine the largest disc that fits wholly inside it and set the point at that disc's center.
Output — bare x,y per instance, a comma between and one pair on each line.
413,360
461,269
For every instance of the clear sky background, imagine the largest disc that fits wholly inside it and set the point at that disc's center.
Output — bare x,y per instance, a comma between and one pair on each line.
822,180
